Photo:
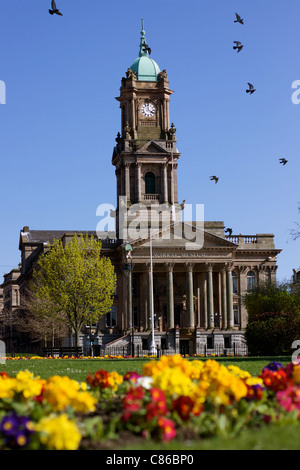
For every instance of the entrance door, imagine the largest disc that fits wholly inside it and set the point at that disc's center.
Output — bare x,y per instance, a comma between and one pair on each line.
184,347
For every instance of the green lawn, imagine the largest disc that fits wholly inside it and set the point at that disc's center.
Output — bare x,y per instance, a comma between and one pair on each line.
78,369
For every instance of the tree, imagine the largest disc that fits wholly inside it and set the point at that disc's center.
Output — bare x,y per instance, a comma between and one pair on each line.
273,318
74,284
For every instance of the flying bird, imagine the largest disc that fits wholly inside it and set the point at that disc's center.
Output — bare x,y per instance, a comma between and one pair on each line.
238,19
239,46
229,231
283,161
214,178
54,9
251,89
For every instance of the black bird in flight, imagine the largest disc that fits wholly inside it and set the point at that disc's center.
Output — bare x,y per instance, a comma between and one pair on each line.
283,161
229,231
214,178
251,89
238,19
238,45
54,9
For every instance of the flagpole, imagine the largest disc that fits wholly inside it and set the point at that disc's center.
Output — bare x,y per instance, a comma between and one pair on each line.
152,350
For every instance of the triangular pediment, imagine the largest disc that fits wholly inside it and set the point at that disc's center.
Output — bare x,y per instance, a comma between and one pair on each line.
152,147
183,235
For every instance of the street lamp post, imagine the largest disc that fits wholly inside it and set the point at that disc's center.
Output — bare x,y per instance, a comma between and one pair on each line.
128,271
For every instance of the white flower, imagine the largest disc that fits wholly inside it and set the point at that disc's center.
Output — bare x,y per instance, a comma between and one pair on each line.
145,382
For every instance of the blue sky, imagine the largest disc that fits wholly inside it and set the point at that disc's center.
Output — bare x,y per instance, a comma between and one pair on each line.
60,120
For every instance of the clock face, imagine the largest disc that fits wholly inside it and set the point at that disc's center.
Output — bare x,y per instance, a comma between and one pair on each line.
148,110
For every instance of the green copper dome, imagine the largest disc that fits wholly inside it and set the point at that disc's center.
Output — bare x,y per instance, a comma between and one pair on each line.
146,69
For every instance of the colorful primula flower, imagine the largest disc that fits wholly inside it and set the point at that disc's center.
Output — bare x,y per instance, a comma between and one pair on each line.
58,433
289,399
105,380
276,380
167,429
16,430
185,407
131,376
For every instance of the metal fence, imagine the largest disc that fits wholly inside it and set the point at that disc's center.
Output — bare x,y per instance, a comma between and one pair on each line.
126,351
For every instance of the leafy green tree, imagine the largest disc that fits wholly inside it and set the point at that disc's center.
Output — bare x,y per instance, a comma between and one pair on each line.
273,318
74,284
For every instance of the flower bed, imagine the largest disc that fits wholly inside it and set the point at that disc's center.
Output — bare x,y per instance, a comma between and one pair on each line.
172,398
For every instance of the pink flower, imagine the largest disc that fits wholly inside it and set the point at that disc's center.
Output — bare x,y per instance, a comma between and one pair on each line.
289,399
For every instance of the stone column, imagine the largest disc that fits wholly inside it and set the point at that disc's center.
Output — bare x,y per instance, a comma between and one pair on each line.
127,181
204,303
165,183
190,296
150,291
170,295
242,292
224,299
138,182
210,296
229,293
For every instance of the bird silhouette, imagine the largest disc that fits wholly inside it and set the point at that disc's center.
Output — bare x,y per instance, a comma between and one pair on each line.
239,46
251,89
214,178
238,19
229,231
54,9
283,161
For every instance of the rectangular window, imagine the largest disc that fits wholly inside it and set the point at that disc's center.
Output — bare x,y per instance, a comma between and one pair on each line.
210,342
111,317
227,342
236,314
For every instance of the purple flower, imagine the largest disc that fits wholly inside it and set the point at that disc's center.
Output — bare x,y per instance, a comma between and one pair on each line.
273,366
9,425
16,430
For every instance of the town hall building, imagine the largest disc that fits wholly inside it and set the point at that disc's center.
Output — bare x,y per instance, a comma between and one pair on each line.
180,285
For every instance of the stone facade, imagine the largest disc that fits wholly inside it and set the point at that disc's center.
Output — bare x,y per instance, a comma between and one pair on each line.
184,278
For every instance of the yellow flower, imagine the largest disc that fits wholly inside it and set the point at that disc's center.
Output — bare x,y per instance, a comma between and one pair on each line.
58,433
296,374
61,392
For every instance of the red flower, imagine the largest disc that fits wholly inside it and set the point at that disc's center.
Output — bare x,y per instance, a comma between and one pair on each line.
100,379
167,427
276,380
132,376
184,407
157,395
4,375
133,399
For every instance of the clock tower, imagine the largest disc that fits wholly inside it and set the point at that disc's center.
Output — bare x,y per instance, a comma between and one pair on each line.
145,155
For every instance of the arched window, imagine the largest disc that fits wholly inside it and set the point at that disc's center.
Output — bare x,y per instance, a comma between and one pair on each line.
234,283
251,280
150,183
